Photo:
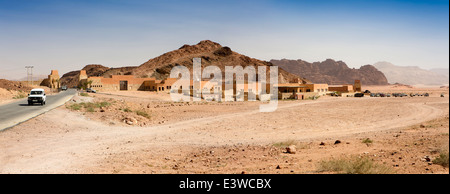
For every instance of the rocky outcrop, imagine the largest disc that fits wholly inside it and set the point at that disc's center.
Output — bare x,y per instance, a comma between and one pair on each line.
71,79
332,72
210,52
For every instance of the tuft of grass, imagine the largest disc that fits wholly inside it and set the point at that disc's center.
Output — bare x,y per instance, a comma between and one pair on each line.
75,107
88,106
84,94
90,109
354,166
143,113
285,143
102,104
442,159
298,145
127,110
367,141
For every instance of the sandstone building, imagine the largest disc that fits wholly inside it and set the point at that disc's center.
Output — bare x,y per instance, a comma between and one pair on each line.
52,81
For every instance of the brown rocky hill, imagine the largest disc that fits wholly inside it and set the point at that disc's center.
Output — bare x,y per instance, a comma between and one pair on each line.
332,72
14,85
71,79
211,53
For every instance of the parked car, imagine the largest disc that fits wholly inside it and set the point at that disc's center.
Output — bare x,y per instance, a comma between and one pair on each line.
64,88
90,90
359,95
372,94
37,95
388,95
426,95
382,95
367,92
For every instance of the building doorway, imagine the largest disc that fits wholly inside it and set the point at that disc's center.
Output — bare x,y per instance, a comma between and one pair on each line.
123,85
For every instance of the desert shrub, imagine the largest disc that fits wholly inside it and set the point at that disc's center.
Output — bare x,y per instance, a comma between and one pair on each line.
143,113
127,109
353,166
298,145
285,143
84,94
88,106
75,106
90,109
442,159
102,104
367,141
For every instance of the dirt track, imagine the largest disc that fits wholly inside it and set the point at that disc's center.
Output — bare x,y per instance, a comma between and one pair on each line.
49,144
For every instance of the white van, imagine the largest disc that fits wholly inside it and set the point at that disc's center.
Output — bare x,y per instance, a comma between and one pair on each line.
37,96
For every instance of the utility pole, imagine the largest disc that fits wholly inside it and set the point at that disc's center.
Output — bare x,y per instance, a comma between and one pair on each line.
29,74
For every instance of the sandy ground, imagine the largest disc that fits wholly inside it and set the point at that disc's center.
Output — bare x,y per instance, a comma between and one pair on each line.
228,137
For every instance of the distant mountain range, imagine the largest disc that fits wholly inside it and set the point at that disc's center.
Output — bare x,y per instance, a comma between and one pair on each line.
441,71
413,75
329,71
332,72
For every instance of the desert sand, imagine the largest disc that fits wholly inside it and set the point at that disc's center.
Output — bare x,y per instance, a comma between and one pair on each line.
406,135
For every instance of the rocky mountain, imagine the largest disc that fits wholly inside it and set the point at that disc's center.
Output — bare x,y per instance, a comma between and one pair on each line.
210,52
332,72
411,75
71,79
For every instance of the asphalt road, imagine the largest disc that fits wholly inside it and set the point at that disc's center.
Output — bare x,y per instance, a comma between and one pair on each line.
17,112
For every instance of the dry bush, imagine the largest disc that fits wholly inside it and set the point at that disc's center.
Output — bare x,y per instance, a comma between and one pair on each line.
356,165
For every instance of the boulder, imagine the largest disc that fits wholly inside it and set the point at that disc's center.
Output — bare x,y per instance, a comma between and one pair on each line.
291,149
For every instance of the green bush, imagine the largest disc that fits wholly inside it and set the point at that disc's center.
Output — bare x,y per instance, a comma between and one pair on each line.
84,94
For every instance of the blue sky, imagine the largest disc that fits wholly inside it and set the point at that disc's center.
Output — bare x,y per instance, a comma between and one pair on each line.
67,35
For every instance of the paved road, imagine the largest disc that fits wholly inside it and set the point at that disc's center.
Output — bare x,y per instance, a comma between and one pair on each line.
17,112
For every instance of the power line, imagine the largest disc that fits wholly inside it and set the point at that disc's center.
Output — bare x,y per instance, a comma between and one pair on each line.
29,74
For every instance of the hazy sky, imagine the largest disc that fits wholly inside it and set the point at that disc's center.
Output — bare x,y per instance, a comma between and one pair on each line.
67,35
